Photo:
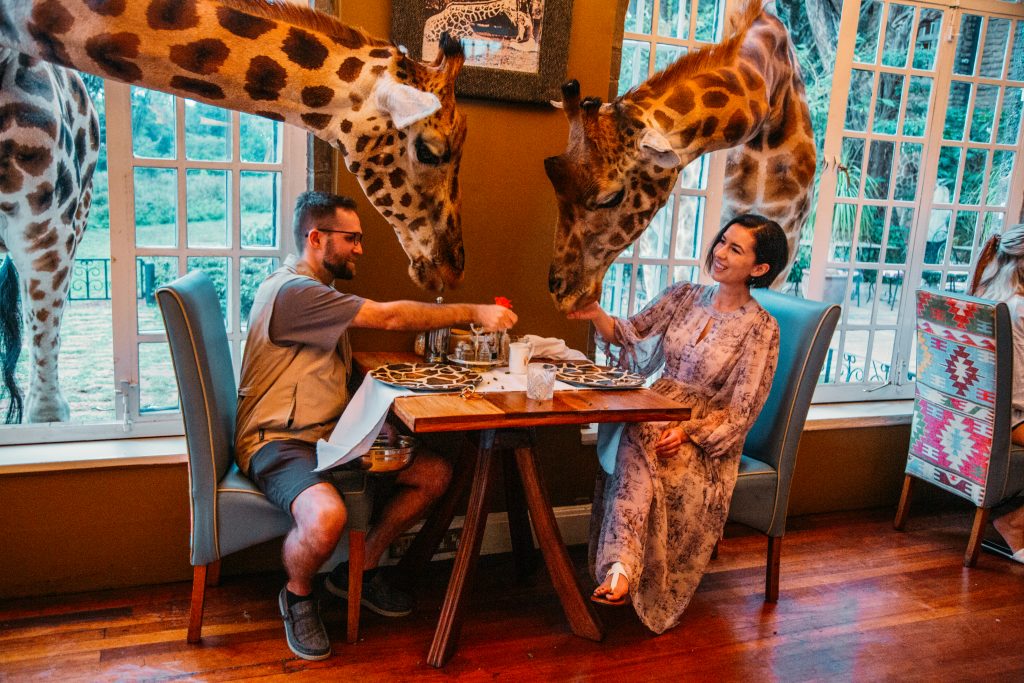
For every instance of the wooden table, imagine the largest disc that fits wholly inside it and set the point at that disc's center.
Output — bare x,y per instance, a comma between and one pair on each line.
504,422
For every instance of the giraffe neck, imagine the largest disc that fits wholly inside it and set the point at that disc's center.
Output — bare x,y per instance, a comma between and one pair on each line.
279,61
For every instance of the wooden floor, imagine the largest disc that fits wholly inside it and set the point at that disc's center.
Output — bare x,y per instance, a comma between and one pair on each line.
859,601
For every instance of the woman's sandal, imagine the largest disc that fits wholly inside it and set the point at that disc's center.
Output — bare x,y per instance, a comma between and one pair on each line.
615,572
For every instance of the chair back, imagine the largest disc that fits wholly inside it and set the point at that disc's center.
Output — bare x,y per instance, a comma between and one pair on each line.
806,328
206,386
960,435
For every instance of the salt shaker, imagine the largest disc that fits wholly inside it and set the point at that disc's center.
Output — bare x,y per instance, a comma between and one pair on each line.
483,350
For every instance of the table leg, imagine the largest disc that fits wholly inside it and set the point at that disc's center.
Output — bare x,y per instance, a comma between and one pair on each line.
580,611
523,554
449,624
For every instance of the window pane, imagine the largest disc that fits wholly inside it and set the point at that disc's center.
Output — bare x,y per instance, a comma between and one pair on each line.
666,54
881,355
918,103
887,104
156,207
897,35
690,218
931,278
86,361
963,237
855,351
674,18
260,197
867,32
899,231
985,102
153,124
207,132
685,274
253,270
638,16
861,85
650,281
974,174
151,273
908,171
949,165
207,197
615,289
654,241
967,45
879,170
956,112
1016,71
842,232
633,70
1009,118
938,231
994,54
956,281
218,268
260,139
929,28
993,223
999,178
869,241
707,20
694,175
158,389
848,181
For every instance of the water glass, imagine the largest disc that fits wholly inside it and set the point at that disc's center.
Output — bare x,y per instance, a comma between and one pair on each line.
540,381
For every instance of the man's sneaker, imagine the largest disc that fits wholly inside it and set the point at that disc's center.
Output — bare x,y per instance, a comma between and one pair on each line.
303,628
378,595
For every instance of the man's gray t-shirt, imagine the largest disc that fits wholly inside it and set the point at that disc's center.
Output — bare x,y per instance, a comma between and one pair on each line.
311,313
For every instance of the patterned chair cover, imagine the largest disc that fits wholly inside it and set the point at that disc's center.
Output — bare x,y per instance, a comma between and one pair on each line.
960,435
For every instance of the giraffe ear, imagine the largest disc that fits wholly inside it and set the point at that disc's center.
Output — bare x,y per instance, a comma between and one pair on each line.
403,103
656,148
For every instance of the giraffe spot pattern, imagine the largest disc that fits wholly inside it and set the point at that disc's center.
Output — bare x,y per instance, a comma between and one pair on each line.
709,127
200,57
107,8
172,15
265,78
736,127
714,99
346,127
68,215
43,314
317,96
33,82
243,25
44,240
664,121
28,116
272,115
349,69
59,278
374,187
681,100
200,88
63,185
50,19
317,121
348,37
380,53
357,101
80,148
303,49
397,178
361,143
113,53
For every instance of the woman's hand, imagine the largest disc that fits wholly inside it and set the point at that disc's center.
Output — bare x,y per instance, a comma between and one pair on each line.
591,311
670,441
603,322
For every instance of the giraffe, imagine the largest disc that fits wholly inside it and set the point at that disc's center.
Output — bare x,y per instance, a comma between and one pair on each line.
49,146
458,19
392,118
744,94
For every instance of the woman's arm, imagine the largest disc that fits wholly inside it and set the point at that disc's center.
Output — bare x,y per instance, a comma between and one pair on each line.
603,322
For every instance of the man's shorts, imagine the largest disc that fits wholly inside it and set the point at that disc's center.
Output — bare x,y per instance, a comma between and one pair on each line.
284,469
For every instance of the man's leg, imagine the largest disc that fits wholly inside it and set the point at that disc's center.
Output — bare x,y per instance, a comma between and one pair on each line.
320,516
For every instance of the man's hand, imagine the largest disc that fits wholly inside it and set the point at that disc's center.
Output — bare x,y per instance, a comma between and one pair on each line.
670,441
495,317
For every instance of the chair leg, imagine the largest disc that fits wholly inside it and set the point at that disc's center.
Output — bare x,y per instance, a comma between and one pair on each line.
974,545
213,574
771,575
195,613
904,506
356,558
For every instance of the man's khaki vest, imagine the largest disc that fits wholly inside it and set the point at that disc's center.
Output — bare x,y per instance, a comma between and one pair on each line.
286,392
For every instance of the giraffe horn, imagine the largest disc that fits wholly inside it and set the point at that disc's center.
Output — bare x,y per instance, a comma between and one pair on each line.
571,98
451,56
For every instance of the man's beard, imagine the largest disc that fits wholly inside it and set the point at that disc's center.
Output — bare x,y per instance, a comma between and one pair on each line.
340,268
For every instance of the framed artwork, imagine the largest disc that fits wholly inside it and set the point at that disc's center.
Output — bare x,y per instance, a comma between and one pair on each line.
516,50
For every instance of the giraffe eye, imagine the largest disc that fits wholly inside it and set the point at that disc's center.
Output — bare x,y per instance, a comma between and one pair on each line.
613,201
425,155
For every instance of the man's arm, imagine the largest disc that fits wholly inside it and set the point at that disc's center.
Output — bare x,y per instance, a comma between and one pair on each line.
414,315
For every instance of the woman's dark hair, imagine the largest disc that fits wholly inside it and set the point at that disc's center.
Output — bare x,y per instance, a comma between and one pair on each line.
770,246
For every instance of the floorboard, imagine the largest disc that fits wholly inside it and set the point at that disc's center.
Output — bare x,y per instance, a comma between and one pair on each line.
858,601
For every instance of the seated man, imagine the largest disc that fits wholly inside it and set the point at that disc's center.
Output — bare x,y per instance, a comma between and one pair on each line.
292,392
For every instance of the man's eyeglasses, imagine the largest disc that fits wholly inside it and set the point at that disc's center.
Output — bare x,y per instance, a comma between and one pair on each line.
353,237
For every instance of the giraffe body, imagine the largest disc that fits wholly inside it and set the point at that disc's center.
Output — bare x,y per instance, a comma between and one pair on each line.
459,20
745,94
49,146
393,118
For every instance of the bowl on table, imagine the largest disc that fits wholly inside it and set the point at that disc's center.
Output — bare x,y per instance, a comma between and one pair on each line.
387,455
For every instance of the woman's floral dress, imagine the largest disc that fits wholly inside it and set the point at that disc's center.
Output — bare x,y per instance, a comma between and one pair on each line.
661,517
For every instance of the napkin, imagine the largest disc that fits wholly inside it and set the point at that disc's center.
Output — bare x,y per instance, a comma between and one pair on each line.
552,347
359,425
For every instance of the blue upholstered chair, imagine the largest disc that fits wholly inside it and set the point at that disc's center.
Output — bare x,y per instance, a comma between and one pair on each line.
761,497
960,435
228,512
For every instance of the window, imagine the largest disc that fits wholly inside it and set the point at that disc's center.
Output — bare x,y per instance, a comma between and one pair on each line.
181,186
917,110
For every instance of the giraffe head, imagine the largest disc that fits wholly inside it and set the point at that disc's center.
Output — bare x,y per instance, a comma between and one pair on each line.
407,156
614,175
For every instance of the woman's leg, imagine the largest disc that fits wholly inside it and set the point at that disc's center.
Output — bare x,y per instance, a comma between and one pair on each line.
1011,525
